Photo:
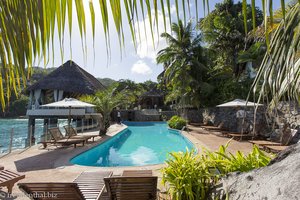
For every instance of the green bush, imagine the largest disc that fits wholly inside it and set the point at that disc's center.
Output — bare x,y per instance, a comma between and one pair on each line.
191,176
177,122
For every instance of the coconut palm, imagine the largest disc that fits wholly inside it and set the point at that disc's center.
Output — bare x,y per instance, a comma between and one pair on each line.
182,60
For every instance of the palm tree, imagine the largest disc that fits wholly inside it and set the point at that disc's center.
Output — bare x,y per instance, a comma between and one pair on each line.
28,29
105,102
182,61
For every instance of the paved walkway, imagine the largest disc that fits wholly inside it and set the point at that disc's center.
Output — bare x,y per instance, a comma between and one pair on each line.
52,164
213,140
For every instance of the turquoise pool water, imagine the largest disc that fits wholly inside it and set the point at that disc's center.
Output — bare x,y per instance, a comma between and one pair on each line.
142,143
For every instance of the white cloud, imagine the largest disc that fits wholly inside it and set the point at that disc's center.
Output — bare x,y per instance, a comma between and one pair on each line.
145,45
140,67
173,9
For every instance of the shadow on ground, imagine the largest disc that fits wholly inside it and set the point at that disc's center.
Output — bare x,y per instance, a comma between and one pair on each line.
42,161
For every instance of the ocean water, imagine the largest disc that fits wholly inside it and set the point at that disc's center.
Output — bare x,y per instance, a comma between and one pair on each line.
142,143
20,130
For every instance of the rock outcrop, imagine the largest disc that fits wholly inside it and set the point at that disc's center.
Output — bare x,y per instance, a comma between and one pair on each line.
280,180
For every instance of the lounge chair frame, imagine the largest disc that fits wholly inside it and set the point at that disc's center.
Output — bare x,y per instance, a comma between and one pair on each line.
72,133
9,178
88,185
58,138
274,148
128,188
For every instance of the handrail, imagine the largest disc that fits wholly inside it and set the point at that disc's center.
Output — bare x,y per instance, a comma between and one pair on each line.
187,130
16,138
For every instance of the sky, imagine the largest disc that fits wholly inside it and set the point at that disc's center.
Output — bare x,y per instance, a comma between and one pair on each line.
138,65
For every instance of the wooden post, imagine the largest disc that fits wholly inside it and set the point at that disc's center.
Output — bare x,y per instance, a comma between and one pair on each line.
11,140
46,121
30,136
46,132
31,130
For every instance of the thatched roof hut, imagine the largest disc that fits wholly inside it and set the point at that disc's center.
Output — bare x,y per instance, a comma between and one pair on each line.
152,99
69,77
68,80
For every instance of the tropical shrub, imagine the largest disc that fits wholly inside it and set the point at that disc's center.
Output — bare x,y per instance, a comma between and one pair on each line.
184,175
177,122
192,176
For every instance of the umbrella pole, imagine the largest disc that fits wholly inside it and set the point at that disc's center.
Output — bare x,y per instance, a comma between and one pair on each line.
69,118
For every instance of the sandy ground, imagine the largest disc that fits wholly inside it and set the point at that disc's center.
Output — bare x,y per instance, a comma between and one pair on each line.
52,164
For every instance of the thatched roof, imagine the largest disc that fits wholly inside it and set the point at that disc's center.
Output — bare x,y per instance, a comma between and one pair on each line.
154,92
69,77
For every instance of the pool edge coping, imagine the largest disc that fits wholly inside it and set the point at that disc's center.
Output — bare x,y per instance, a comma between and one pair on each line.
155,166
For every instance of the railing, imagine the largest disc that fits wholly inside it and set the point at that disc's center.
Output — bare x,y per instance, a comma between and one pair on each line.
185,128
19,136
55,112
16,138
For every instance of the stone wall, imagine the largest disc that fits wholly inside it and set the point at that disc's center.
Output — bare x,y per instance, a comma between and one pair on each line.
286,119
288,113
166,115
137,115
194,116
226,117
141,115
211,116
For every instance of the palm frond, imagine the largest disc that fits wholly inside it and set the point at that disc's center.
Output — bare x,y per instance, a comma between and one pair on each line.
279,71
28,29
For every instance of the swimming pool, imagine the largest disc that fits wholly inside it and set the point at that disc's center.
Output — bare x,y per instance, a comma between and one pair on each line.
142,143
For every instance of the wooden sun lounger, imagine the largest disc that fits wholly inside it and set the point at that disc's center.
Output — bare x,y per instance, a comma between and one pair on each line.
134,187
58,138
264,142
212,128
51,191
72,133
274,148
220,127
9,178
88,185
209,127
64,142
91,184
236,136
137,173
